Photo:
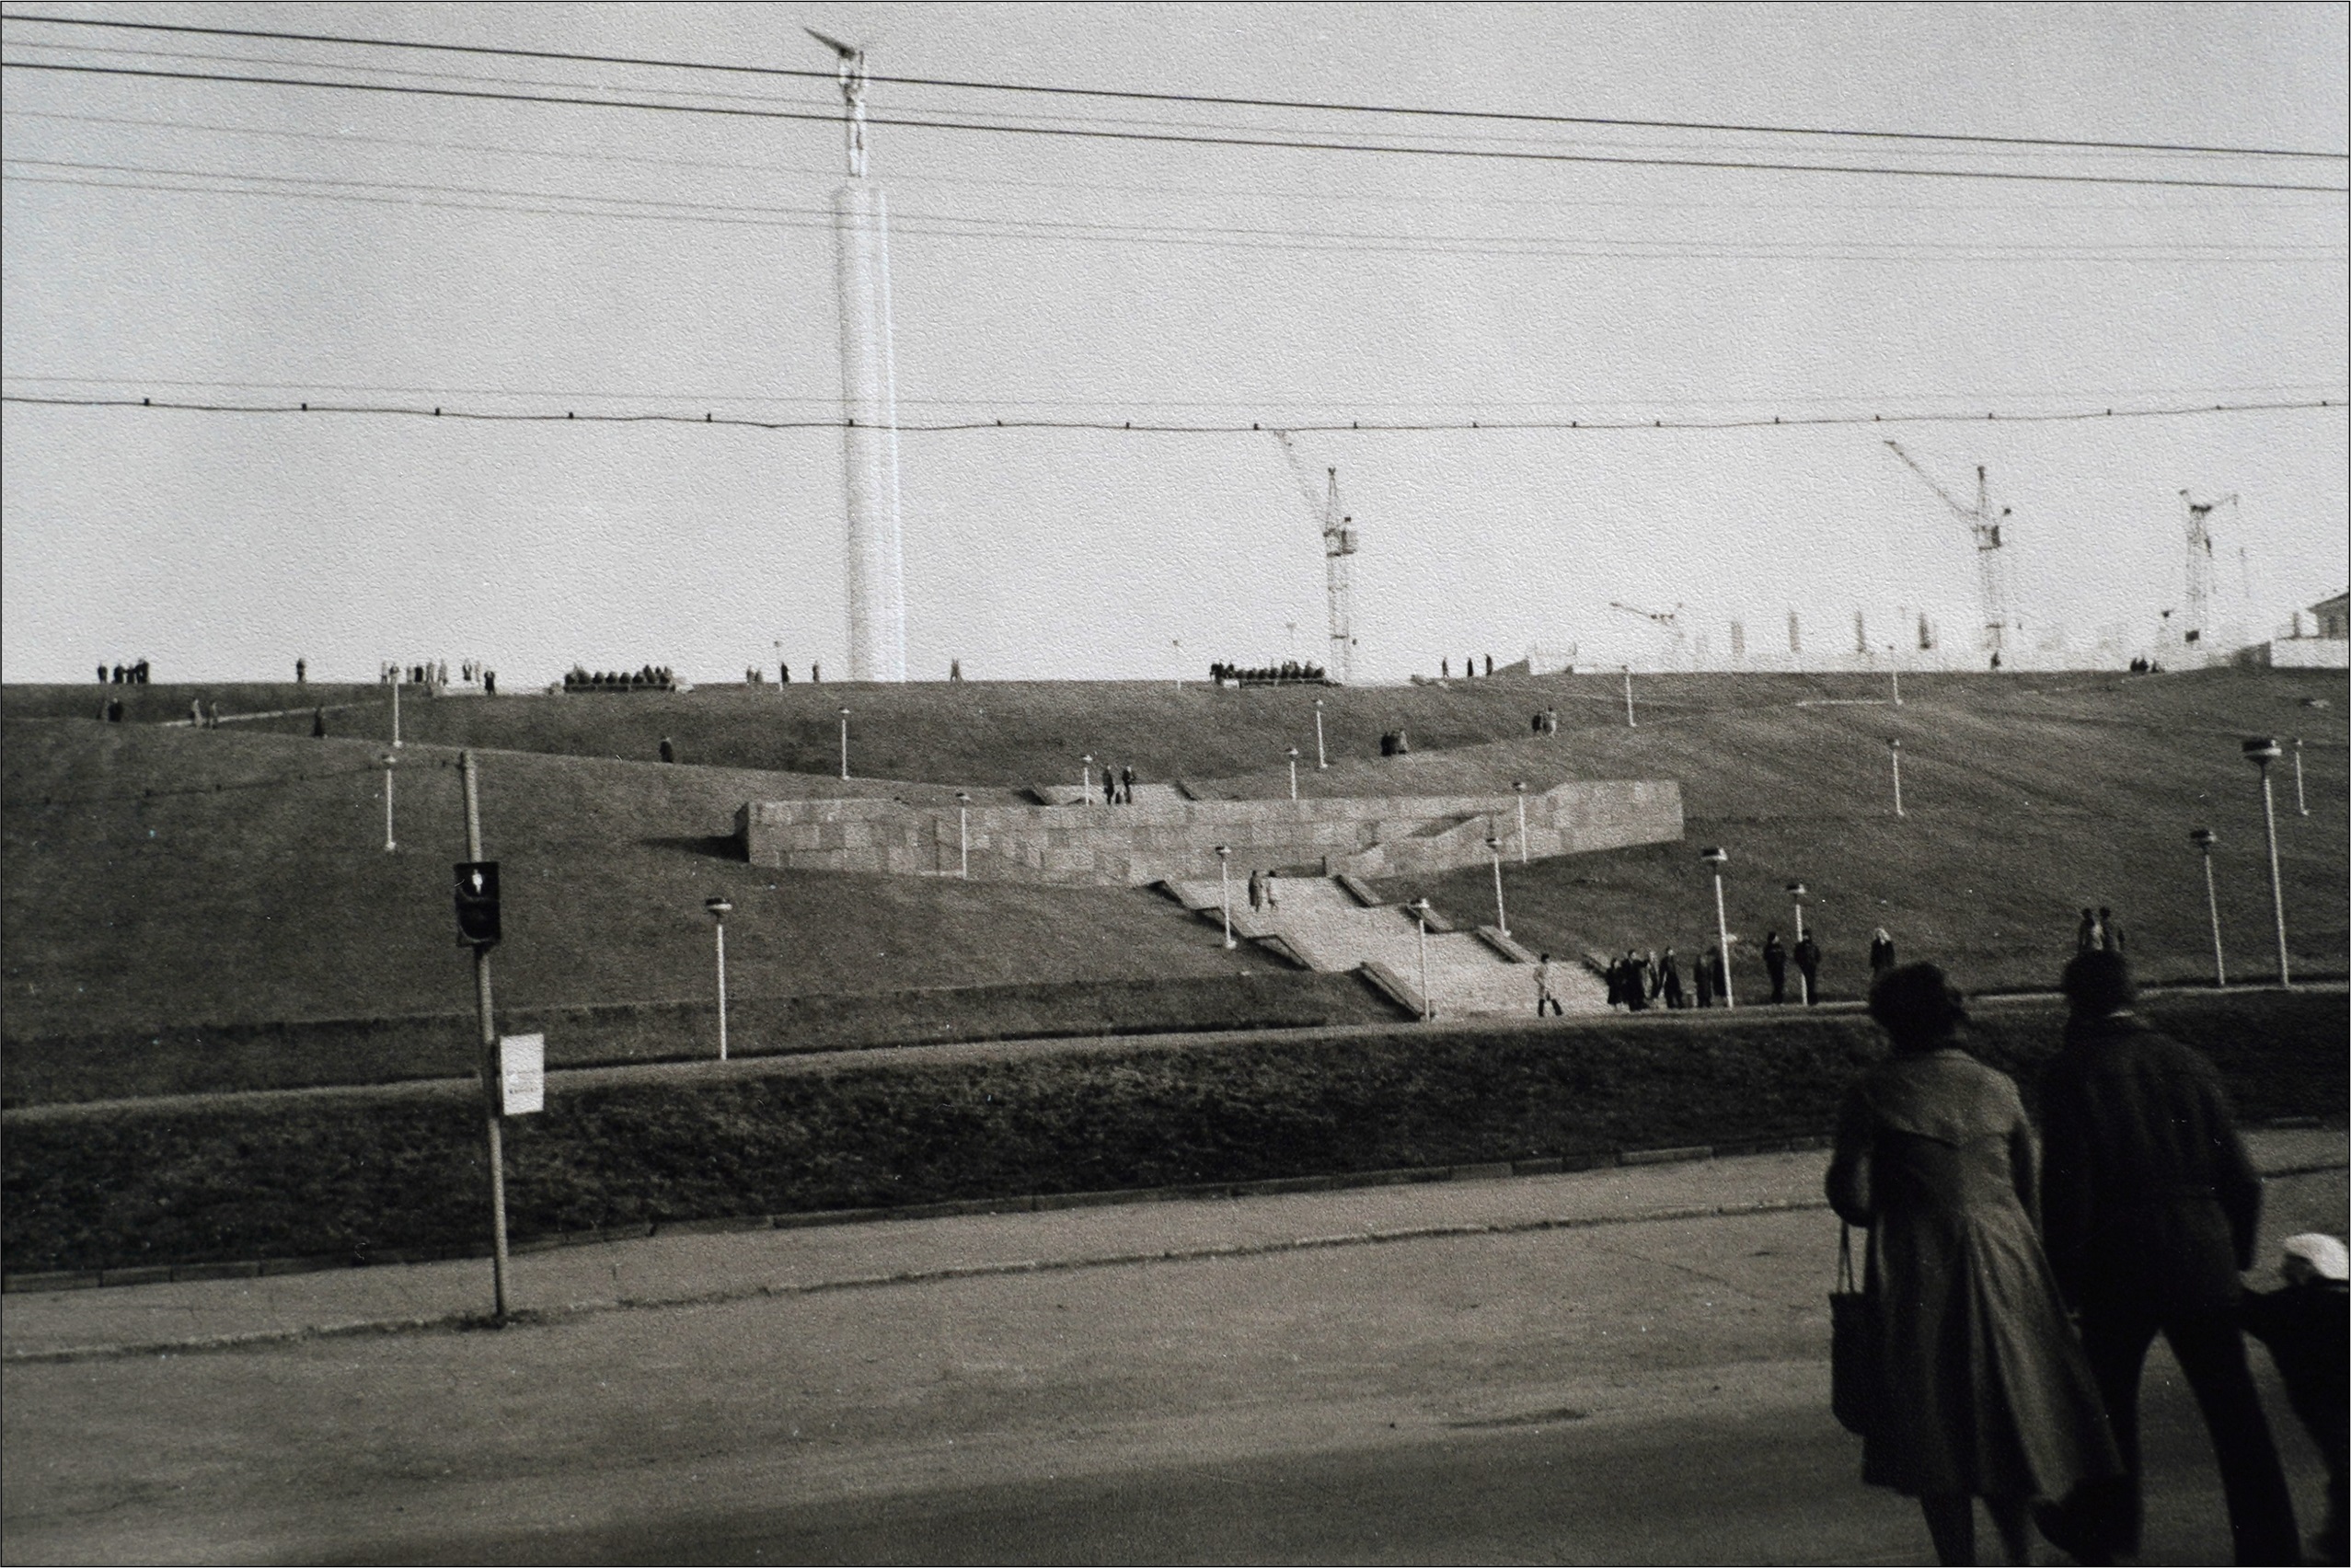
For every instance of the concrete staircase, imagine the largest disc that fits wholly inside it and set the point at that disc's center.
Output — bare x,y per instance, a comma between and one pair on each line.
1327,926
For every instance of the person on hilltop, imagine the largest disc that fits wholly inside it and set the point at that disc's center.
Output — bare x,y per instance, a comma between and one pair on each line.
1980,1388
1775,963
2150,1208
1126,785
1636,982
1256,888
1702,976
1881,953
668,750
2087,937
1670,982
2110,931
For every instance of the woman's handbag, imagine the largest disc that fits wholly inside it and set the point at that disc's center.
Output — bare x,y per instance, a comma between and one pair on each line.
1854,1369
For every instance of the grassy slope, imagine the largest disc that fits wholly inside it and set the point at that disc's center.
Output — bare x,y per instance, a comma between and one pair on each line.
359,1176
2029,795
270,896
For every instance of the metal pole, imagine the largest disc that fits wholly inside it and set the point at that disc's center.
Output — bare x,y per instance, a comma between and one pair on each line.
1428,1003
2212,907
1897,688
1086,779
1723,936
1224,875
490,1118
721,929
1321,761
2302,805
1294,773
2276,887
963,830
1628,700
1803,985
844,746
1521,788
396,707
1896,748
1501,915
388,844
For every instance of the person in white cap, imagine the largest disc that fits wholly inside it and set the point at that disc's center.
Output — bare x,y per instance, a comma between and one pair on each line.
2307,1327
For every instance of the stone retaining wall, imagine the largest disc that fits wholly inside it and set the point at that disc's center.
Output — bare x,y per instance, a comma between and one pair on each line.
1156,840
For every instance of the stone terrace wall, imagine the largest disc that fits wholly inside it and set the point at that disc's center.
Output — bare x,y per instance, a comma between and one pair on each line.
1098,845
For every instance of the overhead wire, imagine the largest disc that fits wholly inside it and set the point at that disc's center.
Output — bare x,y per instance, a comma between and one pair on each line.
1192,99
1224,235
1172,138
1144,427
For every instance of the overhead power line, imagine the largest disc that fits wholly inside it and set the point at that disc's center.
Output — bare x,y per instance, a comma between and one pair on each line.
1217,100
1254,143
1144,427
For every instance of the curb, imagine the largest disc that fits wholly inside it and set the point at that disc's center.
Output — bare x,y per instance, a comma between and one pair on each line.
1035,1203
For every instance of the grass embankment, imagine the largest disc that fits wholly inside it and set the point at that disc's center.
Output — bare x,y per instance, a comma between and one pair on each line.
153,876
362,1177
199,1059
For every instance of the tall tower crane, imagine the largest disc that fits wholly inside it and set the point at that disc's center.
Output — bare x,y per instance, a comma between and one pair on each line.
1670,620
1337,547
1992,573
2198,608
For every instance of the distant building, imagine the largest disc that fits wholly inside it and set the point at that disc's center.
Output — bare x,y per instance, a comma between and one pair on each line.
2330,649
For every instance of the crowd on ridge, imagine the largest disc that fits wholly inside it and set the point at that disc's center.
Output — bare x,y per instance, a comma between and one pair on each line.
1289,671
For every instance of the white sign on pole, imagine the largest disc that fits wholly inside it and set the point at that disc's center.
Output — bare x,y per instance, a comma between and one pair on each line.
521,1074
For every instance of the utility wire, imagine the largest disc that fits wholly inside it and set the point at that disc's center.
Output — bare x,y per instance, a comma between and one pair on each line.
1254,143
1220,235
1227,194
1195,98
1135,427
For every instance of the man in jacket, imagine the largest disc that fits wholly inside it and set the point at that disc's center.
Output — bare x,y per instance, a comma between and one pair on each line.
1808,965
2148,1208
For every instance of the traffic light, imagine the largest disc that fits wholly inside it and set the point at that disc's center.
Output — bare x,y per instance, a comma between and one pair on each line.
477,903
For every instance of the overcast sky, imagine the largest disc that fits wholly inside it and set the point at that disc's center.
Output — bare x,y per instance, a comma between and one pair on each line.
338,245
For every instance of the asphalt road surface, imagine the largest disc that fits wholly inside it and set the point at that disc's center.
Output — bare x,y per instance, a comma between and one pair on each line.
1646,1392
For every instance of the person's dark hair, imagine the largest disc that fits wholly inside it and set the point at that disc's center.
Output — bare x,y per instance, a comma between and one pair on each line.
2097,982
1916,1005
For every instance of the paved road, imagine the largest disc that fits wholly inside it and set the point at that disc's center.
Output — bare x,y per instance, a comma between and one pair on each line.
1631,1391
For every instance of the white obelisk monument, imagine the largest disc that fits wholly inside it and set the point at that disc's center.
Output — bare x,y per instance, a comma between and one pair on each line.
877,575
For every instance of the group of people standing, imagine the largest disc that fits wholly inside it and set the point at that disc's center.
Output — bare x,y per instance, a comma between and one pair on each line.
1118,786
2012,1286
123,674
2099,931
1637,981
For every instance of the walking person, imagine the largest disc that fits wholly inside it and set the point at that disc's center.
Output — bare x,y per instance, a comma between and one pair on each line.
1616,983
669,751
1544,995
1256,888
1126,785
1981,1389
1272,900
1702,975
2110,931
1636,982
2308,1327
1670,982
2151,1208
317,723
1775,963
1807,956
1880,954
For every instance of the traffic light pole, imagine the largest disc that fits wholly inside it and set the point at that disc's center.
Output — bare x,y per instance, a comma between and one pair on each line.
489,1069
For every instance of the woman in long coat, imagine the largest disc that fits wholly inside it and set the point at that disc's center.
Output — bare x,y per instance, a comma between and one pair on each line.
1985,1391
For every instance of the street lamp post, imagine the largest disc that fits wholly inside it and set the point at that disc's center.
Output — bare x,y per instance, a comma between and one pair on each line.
388,760
1086,779
396,707
1294,773
1897,685
1177,643
1322,760
1628,722
964,829
1895,748
2261,752
1421,914
1224,875
2203,837
1796,892
1518,788
1501,915
844,746
1714,855
2301,804
720,909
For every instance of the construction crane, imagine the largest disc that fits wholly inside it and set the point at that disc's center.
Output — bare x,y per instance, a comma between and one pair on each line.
1992,574
2197,620
1337,546
1670,620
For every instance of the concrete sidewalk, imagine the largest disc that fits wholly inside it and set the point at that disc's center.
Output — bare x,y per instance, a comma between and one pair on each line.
678,1268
